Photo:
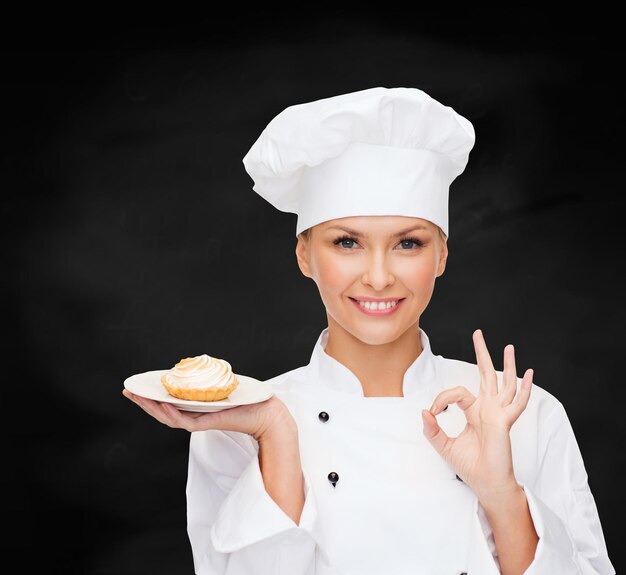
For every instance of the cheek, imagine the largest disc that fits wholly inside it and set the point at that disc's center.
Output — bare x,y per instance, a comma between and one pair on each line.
333,274
419,273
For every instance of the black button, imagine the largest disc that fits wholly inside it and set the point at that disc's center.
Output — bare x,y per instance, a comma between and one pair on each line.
333,478
324,417
459,480
445,409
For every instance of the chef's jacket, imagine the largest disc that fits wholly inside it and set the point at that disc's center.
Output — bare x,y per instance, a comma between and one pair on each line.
378,498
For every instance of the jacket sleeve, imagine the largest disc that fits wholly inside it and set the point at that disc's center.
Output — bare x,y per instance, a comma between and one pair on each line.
562,507
234,526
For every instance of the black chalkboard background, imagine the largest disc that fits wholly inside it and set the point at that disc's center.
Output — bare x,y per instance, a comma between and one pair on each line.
133,238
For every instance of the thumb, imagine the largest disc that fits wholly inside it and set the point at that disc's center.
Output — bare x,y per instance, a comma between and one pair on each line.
435,435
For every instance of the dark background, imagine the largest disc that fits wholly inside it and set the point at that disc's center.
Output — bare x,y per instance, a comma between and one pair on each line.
133,238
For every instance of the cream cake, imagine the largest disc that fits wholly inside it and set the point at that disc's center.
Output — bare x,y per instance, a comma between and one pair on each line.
200,378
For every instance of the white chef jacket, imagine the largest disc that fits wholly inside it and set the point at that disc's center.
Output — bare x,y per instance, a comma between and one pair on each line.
396,507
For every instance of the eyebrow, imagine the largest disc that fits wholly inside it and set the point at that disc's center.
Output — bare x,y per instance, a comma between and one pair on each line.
358,234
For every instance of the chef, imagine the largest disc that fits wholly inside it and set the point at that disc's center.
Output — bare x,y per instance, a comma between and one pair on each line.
380,456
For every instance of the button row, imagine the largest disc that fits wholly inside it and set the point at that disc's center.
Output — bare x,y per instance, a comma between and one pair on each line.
333,476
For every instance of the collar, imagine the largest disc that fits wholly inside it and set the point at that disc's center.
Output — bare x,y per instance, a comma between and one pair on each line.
420,376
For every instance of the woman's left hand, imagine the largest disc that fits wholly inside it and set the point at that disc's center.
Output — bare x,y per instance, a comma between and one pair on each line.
481,454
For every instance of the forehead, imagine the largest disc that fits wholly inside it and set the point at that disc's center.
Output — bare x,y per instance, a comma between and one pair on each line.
377,225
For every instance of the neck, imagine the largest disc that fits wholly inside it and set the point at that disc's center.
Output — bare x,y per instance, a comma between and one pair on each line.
380,368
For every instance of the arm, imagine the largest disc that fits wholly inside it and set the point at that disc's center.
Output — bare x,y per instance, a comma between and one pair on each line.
235,526
561,507
482,457
554,527
240,520
279,459
513,529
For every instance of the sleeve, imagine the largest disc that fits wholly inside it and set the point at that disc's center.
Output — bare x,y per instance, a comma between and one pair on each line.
562,508
233,524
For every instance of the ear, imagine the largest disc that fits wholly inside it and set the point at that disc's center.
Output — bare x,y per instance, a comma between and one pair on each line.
302,255
443,256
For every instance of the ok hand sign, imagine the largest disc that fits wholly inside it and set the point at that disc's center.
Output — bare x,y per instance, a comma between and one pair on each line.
481,454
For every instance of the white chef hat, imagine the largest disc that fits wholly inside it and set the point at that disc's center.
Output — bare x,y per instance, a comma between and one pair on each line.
380,151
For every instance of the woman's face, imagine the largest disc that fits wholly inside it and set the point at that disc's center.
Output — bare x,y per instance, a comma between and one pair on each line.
367,258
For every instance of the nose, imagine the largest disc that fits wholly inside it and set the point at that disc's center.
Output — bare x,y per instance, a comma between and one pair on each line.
378,273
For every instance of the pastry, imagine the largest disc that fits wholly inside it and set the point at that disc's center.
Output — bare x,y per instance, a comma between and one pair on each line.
200,378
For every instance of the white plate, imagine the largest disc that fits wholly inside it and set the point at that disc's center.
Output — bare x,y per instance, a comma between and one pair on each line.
248,391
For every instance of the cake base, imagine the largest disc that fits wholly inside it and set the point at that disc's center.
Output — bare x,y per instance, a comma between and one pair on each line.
200,394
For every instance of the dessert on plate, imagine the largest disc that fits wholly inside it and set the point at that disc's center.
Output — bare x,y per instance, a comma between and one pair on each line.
200,378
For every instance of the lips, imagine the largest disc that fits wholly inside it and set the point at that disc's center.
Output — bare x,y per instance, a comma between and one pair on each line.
377,306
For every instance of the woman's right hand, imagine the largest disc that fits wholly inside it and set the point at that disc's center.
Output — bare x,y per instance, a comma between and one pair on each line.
260,420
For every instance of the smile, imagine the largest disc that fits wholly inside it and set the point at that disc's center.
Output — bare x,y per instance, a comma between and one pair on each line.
377,307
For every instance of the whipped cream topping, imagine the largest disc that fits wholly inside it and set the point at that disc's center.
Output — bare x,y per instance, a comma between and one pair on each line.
201,371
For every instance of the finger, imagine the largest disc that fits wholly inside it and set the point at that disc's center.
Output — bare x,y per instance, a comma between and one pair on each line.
435,435
155,409
459,395
509,376
134,398
523,395
146,404
488,378
188,420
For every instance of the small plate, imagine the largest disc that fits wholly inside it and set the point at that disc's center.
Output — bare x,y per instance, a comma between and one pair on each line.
149,385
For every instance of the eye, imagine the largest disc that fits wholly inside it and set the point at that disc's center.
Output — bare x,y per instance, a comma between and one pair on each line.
406,243
343,240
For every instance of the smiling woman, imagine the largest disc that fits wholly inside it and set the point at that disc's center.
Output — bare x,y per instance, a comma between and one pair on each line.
380,456
368,267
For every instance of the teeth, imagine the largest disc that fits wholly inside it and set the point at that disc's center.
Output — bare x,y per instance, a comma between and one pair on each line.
375,306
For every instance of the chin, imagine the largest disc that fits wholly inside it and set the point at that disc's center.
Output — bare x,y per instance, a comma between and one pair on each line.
377,338
373,334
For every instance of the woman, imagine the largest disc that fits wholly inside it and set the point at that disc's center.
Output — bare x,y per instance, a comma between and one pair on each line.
379,456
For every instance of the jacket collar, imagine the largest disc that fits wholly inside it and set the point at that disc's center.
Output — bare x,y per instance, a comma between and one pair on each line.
420,376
